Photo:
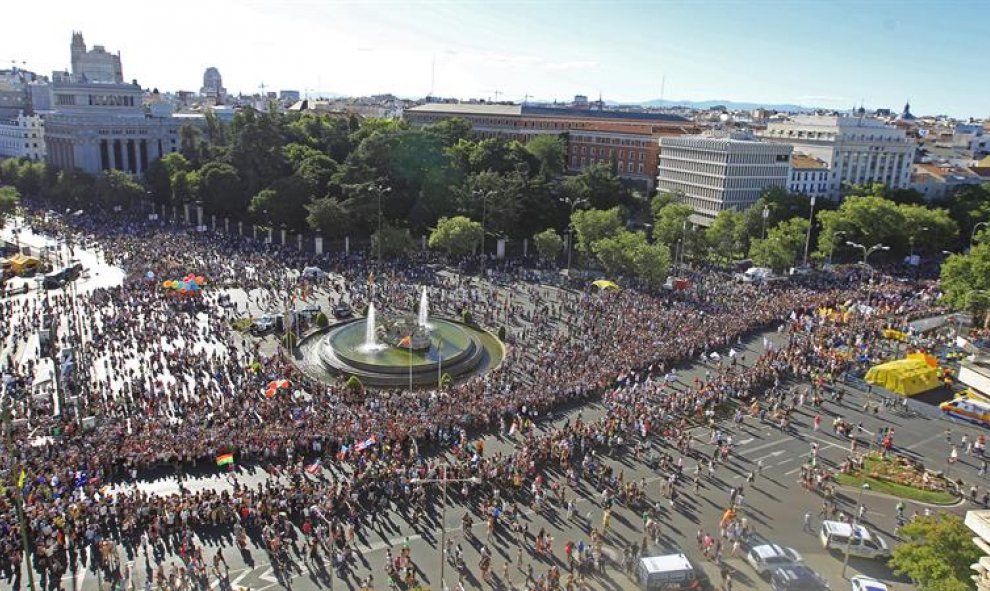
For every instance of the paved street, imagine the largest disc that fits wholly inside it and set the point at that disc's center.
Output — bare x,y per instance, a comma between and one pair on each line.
774,506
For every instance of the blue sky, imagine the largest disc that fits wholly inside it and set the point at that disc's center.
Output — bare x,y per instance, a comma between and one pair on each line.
831,54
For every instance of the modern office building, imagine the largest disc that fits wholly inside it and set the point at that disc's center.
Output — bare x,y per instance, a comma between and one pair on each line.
856,149
979,523
627,139
102,124
721,170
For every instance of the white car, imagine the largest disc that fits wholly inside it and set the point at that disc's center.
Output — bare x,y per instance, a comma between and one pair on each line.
864,583
767,558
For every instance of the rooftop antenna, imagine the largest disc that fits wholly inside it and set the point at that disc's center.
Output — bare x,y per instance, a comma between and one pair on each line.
525,99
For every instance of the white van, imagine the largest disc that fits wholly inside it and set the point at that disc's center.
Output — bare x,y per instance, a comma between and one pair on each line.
672,572
835,536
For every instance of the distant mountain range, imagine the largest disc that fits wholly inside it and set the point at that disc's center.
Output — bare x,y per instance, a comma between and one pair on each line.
731,105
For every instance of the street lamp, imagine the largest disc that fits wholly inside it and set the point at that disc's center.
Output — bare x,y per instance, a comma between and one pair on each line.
381,190
573,203
972,235
831,248
765,214
913,236
811,222
866,255
484,224
443,481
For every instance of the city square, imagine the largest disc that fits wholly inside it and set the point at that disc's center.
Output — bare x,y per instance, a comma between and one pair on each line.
449,296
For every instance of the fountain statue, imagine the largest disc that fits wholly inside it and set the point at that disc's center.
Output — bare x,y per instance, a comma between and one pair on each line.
424,310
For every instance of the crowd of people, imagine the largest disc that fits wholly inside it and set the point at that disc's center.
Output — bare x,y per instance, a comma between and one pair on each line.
171,384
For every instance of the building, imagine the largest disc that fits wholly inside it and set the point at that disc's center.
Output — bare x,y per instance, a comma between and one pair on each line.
288,96
857,150
23,137
213,89
979,522
95,65
720,171
936,181
626,138
103,125
808,176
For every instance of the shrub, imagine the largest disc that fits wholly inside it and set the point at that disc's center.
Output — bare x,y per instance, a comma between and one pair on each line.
322,321
467,317
354,384
501,333
289,341
446,380
241,324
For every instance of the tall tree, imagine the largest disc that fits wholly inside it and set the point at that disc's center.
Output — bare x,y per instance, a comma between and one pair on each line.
330,216
591,225
965,278
783,245
189,136
457,236
936,553
117,188
284,201
725,235
600,186
551,152
548,244
220,189
10,198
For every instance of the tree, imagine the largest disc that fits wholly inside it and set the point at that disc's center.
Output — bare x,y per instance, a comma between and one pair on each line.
189,136
628,253
591,225
600,186
10,198
330,216
457,236
965,278
968,206
495,198
117,188
551,152
670,223
317,171
548,244
725,235
394,241
936,552
450,131
782,246
220,188
284,201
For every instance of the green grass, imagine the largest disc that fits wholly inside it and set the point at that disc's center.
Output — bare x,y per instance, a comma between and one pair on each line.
241,324
895,489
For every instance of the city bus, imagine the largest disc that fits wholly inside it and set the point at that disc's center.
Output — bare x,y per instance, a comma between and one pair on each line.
968,409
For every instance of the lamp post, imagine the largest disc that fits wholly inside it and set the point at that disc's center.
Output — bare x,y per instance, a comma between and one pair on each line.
811,222
381,190
911,240
831,248
765,215
484,225
572,203
866,255
972,235
443,481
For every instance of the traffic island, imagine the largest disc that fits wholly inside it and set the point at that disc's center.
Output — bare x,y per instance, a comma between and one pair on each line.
899,477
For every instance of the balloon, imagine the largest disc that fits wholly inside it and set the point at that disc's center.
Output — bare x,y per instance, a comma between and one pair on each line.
183,291
201,280
166,284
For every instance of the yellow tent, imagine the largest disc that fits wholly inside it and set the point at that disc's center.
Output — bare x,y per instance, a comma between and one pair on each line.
906,377
605,284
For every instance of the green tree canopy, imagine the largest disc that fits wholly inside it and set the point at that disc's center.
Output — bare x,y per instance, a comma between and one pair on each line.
628,253
936,552
10,198
783,245
285,201
117,188
551,153
968,206
965,278
330,216
457,235
591,225
548,244
726,235
394,241
219,187
600,185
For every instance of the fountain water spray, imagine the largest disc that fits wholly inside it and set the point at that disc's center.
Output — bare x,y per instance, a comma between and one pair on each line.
424,310
370,342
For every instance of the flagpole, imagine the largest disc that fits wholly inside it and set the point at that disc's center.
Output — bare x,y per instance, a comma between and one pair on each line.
410,363
439,362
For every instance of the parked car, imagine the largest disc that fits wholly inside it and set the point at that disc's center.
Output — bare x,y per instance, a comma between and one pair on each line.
313,273
767,558
309,312
342,310
835,536
797,578
672,572
865,583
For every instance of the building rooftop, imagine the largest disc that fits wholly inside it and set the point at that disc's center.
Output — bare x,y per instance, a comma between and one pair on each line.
531,111
799,160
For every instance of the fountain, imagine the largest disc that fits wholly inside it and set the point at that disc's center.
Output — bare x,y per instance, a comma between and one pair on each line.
424,310
370,344
402,350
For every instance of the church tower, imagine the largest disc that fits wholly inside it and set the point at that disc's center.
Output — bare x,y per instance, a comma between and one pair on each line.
78,51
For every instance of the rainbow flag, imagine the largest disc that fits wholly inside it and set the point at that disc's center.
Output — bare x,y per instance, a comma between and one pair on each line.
225,459
406,341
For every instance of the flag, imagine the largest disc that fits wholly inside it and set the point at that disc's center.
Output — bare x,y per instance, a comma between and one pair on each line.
406,341
314,467
225,459
366,443
20,481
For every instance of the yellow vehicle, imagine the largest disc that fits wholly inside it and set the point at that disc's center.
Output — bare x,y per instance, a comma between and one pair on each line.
967,409
971,394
